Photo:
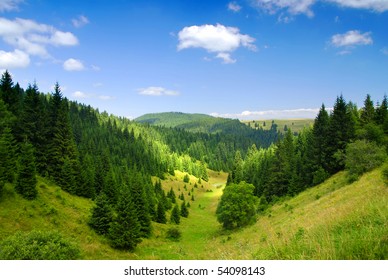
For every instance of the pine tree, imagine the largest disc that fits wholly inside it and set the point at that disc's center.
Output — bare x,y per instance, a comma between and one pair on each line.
161,214
33,125
368,111
7,92
141,204
124,232
26,179
102,215
175,215
341,132
61,141
320,148
184,211
282,171
7,156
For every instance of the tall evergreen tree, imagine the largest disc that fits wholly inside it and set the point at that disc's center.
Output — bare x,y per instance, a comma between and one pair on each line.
175,215
102,215
8,156
61,141
8,94
33,125
368,111
161,213
282,171
141,204
26,178
124,232
320,149
341,131
184,211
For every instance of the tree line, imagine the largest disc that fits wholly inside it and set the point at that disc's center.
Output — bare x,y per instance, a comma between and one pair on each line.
346,138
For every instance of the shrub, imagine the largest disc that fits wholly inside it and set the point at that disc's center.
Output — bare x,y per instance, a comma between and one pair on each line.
363,156
237,207
173,234
38,245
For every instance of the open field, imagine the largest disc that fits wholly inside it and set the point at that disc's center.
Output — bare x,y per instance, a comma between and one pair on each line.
296,125
334,220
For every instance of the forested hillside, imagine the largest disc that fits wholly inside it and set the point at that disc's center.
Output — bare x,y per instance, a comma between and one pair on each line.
211,140
134,178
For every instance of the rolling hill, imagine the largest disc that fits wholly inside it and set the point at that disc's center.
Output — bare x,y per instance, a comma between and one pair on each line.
195,123
334,220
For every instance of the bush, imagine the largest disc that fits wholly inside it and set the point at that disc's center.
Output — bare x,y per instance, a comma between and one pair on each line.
173,234
363,156
38,245
237,207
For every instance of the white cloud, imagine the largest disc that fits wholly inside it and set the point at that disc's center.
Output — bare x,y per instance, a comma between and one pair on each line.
9,5
82,95
106,97
73,65
351,38
271,114
32,37
293,7
375,5
385,50
234,7
226,58
215,39
80,21
296,7
15,59
156,91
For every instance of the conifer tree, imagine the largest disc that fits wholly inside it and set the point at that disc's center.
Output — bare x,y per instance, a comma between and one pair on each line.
124,232
175,215
10,97
33,125
141,204
26,178
184,211
102,215
161,214
368,111
341,131
7,156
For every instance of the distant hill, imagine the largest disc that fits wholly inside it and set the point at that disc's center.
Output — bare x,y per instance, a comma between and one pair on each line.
195,122
296,125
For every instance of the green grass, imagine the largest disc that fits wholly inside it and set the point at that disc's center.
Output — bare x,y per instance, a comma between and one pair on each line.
334,220
296,125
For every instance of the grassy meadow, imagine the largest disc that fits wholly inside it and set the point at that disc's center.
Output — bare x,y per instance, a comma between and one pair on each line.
296,125
335,220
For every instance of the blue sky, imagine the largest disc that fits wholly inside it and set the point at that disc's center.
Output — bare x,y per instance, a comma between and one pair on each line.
249,59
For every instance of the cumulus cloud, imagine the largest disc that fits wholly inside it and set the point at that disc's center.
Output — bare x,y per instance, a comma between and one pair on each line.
234,7
351,38
271,114
296,7
32,38
9,5
156,91
80,21
82,95
15,59
218,39
375,5
73,65
293,7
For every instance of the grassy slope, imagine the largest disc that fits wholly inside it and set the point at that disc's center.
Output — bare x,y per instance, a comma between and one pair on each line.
331,221
296,125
